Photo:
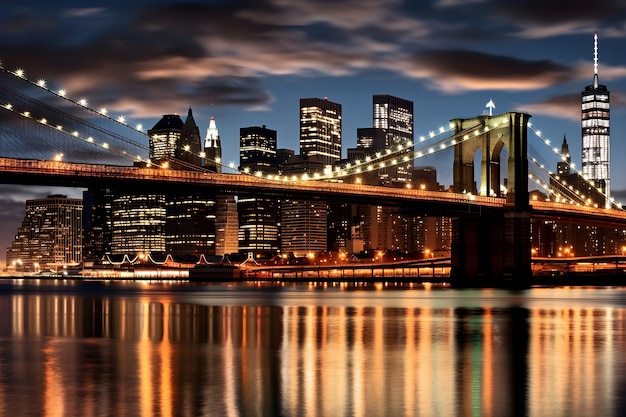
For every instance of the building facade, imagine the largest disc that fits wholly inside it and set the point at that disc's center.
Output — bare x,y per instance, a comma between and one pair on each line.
50,236
395,116
259,217
320,129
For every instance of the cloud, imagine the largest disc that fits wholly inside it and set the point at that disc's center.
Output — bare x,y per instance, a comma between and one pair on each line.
562,107
454,71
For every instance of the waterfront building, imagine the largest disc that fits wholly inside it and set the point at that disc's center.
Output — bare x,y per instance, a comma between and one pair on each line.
190,224
320,129
181,223
303,222
259,217
50,236
596,133
138,223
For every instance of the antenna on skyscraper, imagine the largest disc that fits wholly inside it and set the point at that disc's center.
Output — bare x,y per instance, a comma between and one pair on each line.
595,60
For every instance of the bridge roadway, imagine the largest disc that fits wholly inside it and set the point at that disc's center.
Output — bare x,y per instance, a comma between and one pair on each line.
55,173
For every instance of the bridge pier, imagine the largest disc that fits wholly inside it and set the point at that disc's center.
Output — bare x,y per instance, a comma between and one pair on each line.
491,250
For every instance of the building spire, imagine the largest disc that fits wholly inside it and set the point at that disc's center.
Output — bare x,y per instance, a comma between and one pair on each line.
213,147
595,60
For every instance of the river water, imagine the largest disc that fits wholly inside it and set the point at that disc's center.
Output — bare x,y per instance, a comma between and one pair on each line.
71,348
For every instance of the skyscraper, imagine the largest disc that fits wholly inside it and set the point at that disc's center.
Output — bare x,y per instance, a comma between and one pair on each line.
596,131
259,217
50,235
395,116
164,137
320,129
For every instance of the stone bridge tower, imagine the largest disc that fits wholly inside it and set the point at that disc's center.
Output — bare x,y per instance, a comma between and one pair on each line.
497,244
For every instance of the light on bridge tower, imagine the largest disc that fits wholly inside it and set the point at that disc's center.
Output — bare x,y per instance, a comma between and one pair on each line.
596,131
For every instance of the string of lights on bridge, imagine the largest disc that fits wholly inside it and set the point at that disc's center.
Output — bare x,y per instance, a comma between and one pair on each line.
585,200
426,144
377,161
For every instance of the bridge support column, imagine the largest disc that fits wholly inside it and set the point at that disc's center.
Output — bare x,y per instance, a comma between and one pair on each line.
491,250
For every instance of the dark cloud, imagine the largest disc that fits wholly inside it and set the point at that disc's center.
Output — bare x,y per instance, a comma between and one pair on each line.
559,11
459,70
562,107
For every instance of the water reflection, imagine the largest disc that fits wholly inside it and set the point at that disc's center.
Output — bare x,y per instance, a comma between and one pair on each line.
156,353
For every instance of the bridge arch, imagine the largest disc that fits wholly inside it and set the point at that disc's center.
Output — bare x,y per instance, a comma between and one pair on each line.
495,133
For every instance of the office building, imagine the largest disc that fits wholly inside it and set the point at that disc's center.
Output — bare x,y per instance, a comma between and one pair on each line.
303,223
395,116
320,129
257,149
596,131
50,236
259,217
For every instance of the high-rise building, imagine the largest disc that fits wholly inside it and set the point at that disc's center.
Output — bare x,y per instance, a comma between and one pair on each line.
395,116
257,149
303,222
596,131
50,235
259,217
175,143
137,223
320,129
164,137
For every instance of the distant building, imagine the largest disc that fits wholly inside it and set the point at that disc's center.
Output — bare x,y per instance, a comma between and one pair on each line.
596,132
303,222
320,129
570,186
259,217
137,223
164,138
257,149
395,116
50,235
179,222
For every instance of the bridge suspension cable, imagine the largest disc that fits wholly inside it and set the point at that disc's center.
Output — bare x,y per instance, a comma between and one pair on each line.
82,130
586,200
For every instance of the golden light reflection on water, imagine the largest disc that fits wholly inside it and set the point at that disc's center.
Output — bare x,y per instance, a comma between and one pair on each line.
149,355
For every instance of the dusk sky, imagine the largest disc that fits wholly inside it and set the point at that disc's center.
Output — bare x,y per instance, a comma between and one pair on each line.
249,62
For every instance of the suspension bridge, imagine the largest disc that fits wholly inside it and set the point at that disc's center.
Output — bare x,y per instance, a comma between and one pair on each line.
48,138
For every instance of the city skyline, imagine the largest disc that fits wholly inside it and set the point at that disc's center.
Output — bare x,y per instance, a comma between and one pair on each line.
248,66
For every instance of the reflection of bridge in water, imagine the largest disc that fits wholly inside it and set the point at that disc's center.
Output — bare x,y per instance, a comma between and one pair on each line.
491,231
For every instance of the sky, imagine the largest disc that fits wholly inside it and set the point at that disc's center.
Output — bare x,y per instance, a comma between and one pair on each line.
249,62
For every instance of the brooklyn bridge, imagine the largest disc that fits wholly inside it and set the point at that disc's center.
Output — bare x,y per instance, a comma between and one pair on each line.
48,139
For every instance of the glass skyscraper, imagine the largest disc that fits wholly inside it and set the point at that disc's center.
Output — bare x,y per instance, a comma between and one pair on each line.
320,129
596,131
259,217
395,116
